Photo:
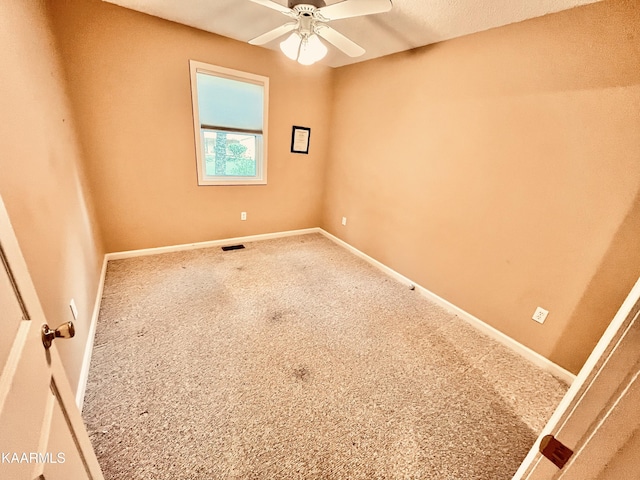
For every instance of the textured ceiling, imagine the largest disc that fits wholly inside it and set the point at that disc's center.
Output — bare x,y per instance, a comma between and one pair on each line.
410,24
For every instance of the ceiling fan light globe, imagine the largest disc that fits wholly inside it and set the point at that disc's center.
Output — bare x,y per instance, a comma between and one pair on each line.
291,46
306,60
319,49
311,50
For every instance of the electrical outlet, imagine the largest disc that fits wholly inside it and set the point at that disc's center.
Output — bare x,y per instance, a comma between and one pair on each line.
344,220
74,309
540,315
243,215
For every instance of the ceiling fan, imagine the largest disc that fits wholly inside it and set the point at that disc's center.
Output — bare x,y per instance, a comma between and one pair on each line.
310,18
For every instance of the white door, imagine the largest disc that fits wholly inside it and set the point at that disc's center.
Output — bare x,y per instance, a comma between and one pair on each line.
42,435
599,418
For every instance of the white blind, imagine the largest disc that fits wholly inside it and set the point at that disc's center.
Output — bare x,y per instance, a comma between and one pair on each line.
224,102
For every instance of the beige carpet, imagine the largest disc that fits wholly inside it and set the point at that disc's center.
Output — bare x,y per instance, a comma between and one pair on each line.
295,359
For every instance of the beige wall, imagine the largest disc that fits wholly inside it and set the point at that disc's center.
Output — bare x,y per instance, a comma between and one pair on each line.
130,78
41,178
501,171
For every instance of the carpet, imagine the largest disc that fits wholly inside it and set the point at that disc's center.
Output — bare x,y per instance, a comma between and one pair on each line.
293,358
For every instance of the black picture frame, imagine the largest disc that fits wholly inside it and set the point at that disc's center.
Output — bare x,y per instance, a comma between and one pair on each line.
300,139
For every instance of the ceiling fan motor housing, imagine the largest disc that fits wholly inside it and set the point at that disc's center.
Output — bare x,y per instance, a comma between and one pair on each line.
310,21
315,3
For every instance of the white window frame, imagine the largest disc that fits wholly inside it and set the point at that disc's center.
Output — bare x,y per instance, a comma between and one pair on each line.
261,141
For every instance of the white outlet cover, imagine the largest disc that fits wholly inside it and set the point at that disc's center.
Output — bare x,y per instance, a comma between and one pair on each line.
344,220
243,215
74,309
540,315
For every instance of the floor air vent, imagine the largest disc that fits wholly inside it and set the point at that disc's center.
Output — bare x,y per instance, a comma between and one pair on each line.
232,247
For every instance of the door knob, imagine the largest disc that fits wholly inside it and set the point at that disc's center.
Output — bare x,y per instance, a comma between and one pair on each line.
66,330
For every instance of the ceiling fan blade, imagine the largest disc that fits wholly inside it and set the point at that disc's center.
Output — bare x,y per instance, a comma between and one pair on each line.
354,8
274,5
339,40
273,34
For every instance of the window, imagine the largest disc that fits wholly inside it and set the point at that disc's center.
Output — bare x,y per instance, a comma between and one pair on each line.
230,122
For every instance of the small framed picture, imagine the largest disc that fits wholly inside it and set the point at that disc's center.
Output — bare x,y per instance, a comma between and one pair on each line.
300,139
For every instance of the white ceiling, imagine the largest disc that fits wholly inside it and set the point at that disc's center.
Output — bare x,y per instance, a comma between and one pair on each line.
410,24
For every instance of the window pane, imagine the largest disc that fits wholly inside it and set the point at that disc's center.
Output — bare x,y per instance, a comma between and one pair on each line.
229,154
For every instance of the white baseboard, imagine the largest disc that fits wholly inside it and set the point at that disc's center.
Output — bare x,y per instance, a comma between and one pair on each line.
524,351
88,350
207,244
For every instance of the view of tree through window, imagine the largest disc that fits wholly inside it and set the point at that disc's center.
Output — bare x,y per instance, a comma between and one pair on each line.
229,154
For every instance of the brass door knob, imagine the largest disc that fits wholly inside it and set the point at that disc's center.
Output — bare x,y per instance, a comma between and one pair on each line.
66,330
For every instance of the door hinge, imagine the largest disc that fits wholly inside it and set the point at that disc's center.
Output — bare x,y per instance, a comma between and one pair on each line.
555,451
